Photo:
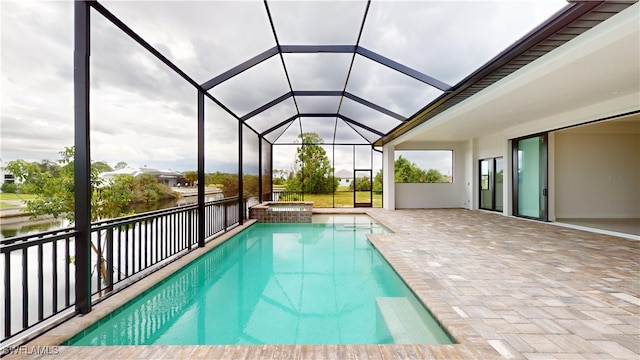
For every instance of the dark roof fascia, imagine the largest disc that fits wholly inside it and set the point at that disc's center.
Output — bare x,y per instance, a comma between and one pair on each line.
564,17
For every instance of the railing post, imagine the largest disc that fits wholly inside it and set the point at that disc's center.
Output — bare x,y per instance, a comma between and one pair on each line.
109,275
82,157
7,299
225,215
190,228
40,284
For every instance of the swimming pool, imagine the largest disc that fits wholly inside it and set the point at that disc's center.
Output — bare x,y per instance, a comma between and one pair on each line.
320,283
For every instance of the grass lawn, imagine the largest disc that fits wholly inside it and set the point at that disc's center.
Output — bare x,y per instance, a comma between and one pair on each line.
7,196
342,199
5,205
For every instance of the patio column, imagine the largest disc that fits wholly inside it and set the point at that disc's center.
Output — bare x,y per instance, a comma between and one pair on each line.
82,156
201,180
551,165
472,187
388,181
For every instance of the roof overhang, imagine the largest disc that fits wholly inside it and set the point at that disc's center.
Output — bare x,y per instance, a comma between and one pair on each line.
596,75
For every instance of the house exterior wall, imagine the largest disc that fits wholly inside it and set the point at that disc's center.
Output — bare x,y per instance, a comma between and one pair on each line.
490,146
597,174
438,195
5,176
493,146
594,171
345,182
604,109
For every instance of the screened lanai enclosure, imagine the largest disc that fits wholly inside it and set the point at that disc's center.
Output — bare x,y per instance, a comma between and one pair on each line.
263,90
241,83
269,83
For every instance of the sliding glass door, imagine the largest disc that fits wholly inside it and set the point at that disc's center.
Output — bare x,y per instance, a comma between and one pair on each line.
491,184
530,177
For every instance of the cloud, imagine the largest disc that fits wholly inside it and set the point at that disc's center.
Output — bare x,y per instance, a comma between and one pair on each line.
117,62
37,116
253,88
34,141
449,39
203,37
273,116
318,71
317,22
145,114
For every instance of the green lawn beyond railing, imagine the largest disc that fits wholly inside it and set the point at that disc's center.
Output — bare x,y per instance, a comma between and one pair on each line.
342,198
14,200
8,196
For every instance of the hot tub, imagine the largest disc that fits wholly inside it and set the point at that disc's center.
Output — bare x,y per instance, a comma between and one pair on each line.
282,212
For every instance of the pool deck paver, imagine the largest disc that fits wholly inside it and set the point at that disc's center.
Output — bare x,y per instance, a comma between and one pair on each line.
503,287
529,289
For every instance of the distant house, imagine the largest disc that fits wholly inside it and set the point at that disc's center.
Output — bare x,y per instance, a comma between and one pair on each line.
345,177
167,177
6,176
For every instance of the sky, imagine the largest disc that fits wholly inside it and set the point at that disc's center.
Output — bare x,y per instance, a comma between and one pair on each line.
144,114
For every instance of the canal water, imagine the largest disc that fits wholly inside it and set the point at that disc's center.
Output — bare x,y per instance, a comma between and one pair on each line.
26,227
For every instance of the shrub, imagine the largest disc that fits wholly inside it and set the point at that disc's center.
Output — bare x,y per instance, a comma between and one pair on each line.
9,188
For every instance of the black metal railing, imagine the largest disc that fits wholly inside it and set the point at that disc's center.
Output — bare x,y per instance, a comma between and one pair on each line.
287,195
25,274
39,271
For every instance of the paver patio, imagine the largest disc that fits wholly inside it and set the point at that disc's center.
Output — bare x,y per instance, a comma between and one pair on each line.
503,287
529,289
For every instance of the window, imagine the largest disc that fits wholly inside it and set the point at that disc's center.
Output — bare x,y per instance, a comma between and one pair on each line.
424,166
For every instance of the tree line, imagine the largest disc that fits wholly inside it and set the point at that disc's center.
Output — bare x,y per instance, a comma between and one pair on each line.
314,173
53,185
53,182
228,182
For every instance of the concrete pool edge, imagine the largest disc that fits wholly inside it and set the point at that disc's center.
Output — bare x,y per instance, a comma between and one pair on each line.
450,321
469,343
403,351
376,241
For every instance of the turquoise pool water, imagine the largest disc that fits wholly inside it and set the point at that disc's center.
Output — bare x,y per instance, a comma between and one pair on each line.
320,283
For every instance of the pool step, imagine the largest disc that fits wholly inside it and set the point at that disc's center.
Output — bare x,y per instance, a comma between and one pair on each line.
404,323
